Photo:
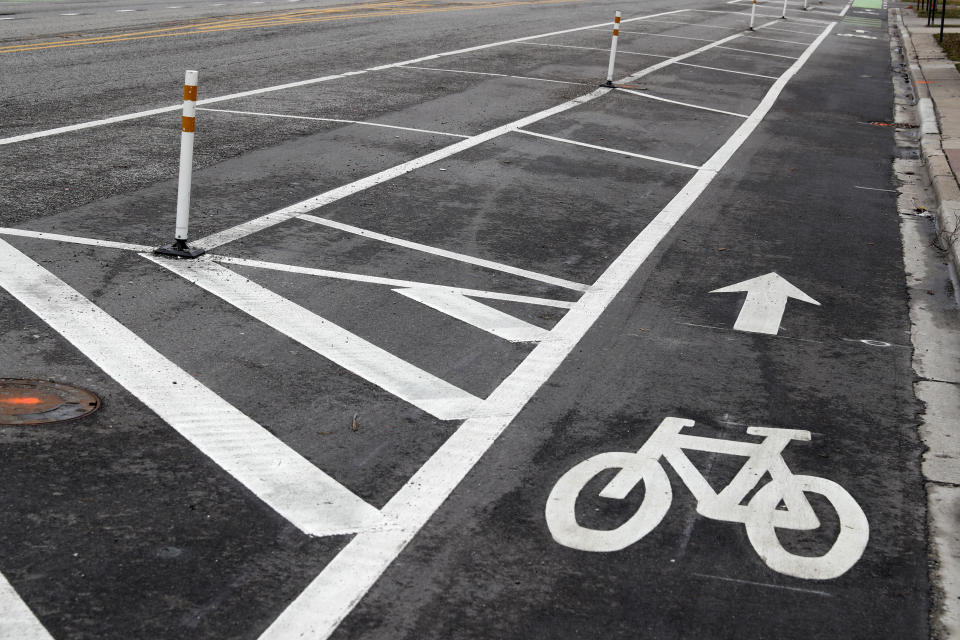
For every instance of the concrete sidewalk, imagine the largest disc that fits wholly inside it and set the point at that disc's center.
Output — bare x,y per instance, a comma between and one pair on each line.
937,84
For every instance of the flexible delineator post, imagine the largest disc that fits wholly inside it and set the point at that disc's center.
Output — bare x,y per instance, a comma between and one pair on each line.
179,247
613,49
804,5
753,13
783,16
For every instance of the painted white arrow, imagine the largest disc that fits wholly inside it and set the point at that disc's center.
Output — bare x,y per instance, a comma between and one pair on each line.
766,300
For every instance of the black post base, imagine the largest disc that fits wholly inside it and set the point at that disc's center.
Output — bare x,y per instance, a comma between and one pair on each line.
608,83
179,249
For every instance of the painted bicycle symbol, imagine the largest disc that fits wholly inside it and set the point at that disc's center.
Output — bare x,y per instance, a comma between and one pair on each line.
762,515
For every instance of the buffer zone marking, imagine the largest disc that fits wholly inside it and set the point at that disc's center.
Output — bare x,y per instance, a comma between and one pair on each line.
330,597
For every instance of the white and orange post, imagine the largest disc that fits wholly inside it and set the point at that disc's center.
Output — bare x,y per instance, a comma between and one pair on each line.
783,16
179,248
753,13
613,49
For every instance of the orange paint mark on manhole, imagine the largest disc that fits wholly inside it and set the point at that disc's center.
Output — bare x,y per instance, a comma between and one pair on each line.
24,402
20,400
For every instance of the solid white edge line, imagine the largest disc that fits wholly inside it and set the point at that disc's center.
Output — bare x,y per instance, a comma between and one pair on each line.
607,149
843,12
17,621
499,75
301,83
268,220
329,598
444,253
285,481
685,104
340,120
392,282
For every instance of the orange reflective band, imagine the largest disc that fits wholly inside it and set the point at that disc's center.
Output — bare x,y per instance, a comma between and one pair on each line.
189,124
617,19
616,32
190,92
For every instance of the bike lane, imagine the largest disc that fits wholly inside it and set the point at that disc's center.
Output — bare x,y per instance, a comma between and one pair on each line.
803,198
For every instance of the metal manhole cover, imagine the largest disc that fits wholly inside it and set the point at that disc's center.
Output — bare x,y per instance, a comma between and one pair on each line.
42,402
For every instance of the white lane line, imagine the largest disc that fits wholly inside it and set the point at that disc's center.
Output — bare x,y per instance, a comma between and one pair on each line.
802,44
330,597
302,83
805,33
741,73
364,359
289,484
125,10
69,14
392,282
324,273
367,124
875,189
816,21
759,53
685,104
443,253
268,220
17,620
657,35
487,73
698,24
843,12
572,46
607,149
7,18
43,235
503,325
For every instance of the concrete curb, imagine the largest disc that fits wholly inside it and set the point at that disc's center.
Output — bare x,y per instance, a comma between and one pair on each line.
931,143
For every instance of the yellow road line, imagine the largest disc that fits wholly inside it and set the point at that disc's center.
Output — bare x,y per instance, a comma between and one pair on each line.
260,22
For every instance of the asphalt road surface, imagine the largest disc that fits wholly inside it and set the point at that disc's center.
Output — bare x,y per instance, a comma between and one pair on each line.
479,348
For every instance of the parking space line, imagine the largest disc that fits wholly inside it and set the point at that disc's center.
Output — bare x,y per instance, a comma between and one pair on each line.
43,235
499,75
805,33
310,204
17,620
452,255
607,149
332,595
392,282
759,53
288,483
408,382
366,124
302,83
684,104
